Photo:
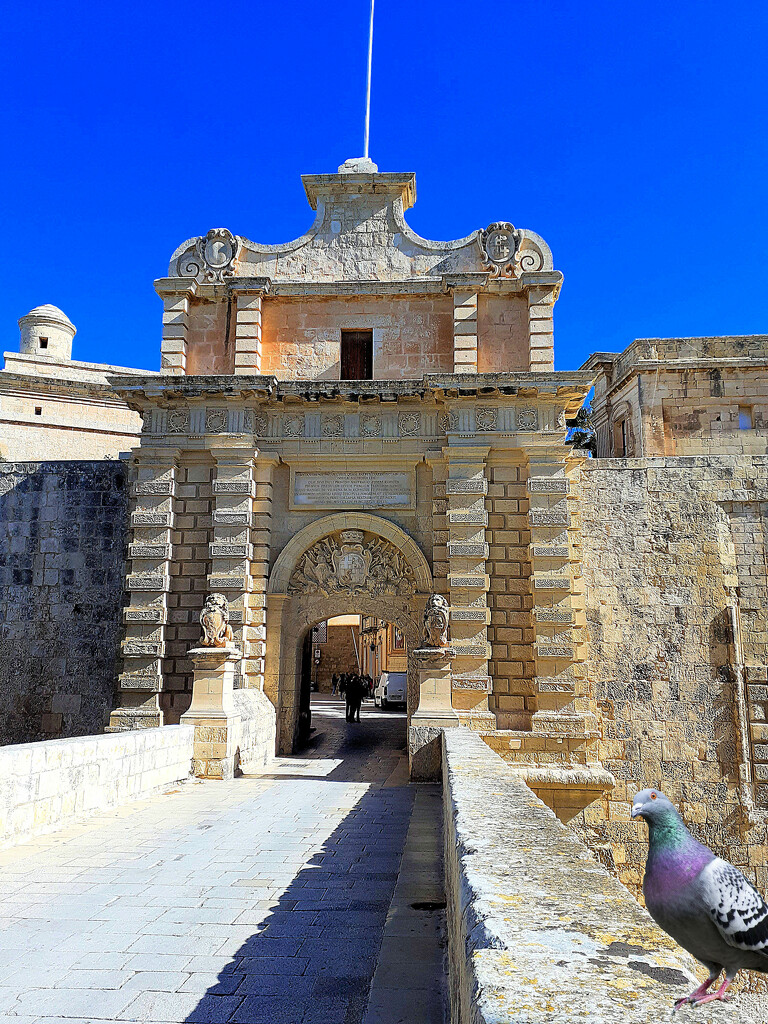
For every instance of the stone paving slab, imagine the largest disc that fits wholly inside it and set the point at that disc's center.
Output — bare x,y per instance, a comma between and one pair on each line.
259,900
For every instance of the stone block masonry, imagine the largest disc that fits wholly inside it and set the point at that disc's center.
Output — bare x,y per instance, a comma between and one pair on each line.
62,546
674,559
537,929
47,785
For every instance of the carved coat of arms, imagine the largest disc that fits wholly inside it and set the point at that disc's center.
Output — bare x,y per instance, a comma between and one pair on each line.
498,244
349,563
214,257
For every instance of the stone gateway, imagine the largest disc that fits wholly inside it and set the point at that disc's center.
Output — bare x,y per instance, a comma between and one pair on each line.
363,421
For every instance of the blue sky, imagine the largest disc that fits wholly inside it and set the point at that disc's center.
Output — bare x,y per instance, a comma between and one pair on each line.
631,136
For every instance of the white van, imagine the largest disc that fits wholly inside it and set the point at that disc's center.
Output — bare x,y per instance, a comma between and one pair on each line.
392,688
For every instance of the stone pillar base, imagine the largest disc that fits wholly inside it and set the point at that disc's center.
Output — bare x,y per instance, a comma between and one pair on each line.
433,714
212,712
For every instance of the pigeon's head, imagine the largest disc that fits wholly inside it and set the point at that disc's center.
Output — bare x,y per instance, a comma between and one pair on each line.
652,805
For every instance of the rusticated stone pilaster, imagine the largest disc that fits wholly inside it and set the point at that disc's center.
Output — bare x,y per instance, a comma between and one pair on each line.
148,584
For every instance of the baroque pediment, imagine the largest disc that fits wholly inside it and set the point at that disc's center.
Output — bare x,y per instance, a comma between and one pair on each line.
360,234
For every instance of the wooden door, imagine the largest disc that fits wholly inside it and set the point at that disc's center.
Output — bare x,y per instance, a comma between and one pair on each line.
356,355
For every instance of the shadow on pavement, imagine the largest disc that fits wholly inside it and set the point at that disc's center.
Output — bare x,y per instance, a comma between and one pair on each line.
311,959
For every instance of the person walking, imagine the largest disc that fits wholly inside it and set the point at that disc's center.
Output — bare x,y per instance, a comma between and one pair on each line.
354,693
334,684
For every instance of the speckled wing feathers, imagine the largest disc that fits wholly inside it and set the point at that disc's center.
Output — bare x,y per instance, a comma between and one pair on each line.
736,907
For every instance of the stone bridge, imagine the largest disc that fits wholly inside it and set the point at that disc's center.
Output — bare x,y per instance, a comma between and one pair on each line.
314,890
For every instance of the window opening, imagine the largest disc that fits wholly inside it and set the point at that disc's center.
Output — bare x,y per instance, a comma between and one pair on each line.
38,410
356,355
745,417
43,343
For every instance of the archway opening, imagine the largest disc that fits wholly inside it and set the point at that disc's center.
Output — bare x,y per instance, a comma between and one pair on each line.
348,665
349,563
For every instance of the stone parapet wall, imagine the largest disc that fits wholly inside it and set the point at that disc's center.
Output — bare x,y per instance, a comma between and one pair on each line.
255,731
47,785
730,347
537,929
674,554
62,546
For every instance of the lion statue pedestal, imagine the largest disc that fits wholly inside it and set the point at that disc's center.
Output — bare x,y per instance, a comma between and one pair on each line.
212,711
435,711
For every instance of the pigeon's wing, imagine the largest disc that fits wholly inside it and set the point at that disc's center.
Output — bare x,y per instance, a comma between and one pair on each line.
736,907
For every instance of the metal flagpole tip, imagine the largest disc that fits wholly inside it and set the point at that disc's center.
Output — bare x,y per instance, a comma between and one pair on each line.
358,165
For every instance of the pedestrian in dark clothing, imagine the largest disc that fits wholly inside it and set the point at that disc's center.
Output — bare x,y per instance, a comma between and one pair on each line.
354,695
334,684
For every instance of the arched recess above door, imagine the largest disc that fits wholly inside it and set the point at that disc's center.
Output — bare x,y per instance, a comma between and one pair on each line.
290,556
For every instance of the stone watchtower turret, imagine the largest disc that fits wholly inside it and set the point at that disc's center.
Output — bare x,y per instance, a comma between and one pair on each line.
46,331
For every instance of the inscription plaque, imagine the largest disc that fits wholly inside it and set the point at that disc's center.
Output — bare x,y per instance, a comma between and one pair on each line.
352,490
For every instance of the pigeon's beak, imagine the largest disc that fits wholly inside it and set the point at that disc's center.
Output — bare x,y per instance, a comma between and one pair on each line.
636,810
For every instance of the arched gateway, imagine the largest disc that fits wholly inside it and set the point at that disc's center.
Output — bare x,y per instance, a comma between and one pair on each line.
347,562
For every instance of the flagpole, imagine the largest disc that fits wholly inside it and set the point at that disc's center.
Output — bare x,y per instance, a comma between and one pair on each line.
368,89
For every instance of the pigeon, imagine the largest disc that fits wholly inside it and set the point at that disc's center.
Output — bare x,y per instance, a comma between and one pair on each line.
702,901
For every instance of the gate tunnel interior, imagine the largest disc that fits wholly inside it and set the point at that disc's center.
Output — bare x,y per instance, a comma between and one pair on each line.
347,653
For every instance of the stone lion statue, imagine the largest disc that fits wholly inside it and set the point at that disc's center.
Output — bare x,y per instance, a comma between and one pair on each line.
214,618
436,622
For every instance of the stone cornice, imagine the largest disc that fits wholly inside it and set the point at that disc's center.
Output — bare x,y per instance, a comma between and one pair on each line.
424,285
568,387
26,385
395,184
645,366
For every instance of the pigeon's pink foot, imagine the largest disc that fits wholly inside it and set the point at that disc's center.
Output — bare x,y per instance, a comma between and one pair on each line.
720,995
696,996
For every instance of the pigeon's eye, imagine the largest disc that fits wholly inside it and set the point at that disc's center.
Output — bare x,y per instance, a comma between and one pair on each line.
653,796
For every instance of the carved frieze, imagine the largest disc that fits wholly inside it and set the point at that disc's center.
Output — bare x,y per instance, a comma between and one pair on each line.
527,419
332,425
215,421
408,424
178,421
349,563
293,425
370,425
486,417
211,733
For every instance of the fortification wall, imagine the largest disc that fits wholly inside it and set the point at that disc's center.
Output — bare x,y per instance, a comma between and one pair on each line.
670,545
62,546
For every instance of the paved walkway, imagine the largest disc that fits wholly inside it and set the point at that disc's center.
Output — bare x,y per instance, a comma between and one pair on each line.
260,901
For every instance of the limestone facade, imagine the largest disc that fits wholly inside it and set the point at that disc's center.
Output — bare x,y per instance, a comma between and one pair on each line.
268,472
682,396
54,407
